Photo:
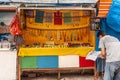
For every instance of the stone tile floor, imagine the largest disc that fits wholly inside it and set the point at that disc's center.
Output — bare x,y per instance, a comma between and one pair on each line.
64,76
84,77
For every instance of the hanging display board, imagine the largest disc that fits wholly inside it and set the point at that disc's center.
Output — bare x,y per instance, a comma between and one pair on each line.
103,9
62,26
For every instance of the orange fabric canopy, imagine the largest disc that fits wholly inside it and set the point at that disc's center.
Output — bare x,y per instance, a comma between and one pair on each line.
104,6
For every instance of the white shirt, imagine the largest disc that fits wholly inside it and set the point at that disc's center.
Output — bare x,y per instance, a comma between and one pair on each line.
112,46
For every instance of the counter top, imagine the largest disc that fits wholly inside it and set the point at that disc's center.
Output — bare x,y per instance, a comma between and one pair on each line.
81,51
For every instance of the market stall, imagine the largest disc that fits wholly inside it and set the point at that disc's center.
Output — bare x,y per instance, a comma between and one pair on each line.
54,37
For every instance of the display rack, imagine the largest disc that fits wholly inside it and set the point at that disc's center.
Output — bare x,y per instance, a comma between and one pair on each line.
34,30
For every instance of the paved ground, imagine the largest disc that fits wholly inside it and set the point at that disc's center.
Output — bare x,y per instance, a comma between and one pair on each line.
64,76
85,77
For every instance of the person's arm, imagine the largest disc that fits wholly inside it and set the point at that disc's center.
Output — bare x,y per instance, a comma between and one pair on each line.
102,47
103,53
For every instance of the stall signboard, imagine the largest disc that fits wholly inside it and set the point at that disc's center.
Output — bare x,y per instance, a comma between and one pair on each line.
56,1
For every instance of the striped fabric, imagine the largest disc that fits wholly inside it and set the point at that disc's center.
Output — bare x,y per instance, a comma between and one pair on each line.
67,18
86,13
39,16
48,18
57,18
104,6
76,17
30,13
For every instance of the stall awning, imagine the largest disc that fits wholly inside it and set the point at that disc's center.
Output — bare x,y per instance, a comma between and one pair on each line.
104,6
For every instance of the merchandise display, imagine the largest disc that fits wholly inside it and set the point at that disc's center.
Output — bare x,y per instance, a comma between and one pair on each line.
72,30
58,37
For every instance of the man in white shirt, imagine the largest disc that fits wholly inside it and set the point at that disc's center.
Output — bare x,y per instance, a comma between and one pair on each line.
110,49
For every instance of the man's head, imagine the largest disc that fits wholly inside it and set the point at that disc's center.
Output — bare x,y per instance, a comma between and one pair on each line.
100,34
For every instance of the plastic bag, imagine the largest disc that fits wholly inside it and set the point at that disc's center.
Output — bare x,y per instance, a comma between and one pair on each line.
113,17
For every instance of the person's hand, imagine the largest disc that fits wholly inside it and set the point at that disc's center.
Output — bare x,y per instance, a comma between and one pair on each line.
101,56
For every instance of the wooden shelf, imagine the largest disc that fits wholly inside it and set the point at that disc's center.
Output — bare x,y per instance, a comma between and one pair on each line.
58,70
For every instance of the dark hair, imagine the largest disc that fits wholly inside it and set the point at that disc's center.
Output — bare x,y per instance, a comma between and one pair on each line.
102,33
2,23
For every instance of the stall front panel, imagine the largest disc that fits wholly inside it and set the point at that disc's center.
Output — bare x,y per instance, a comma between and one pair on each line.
32,58
68,61
52,37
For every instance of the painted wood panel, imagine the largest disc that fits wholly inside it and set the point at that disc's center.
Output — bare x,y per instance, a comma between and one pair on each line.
8,65
68,61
